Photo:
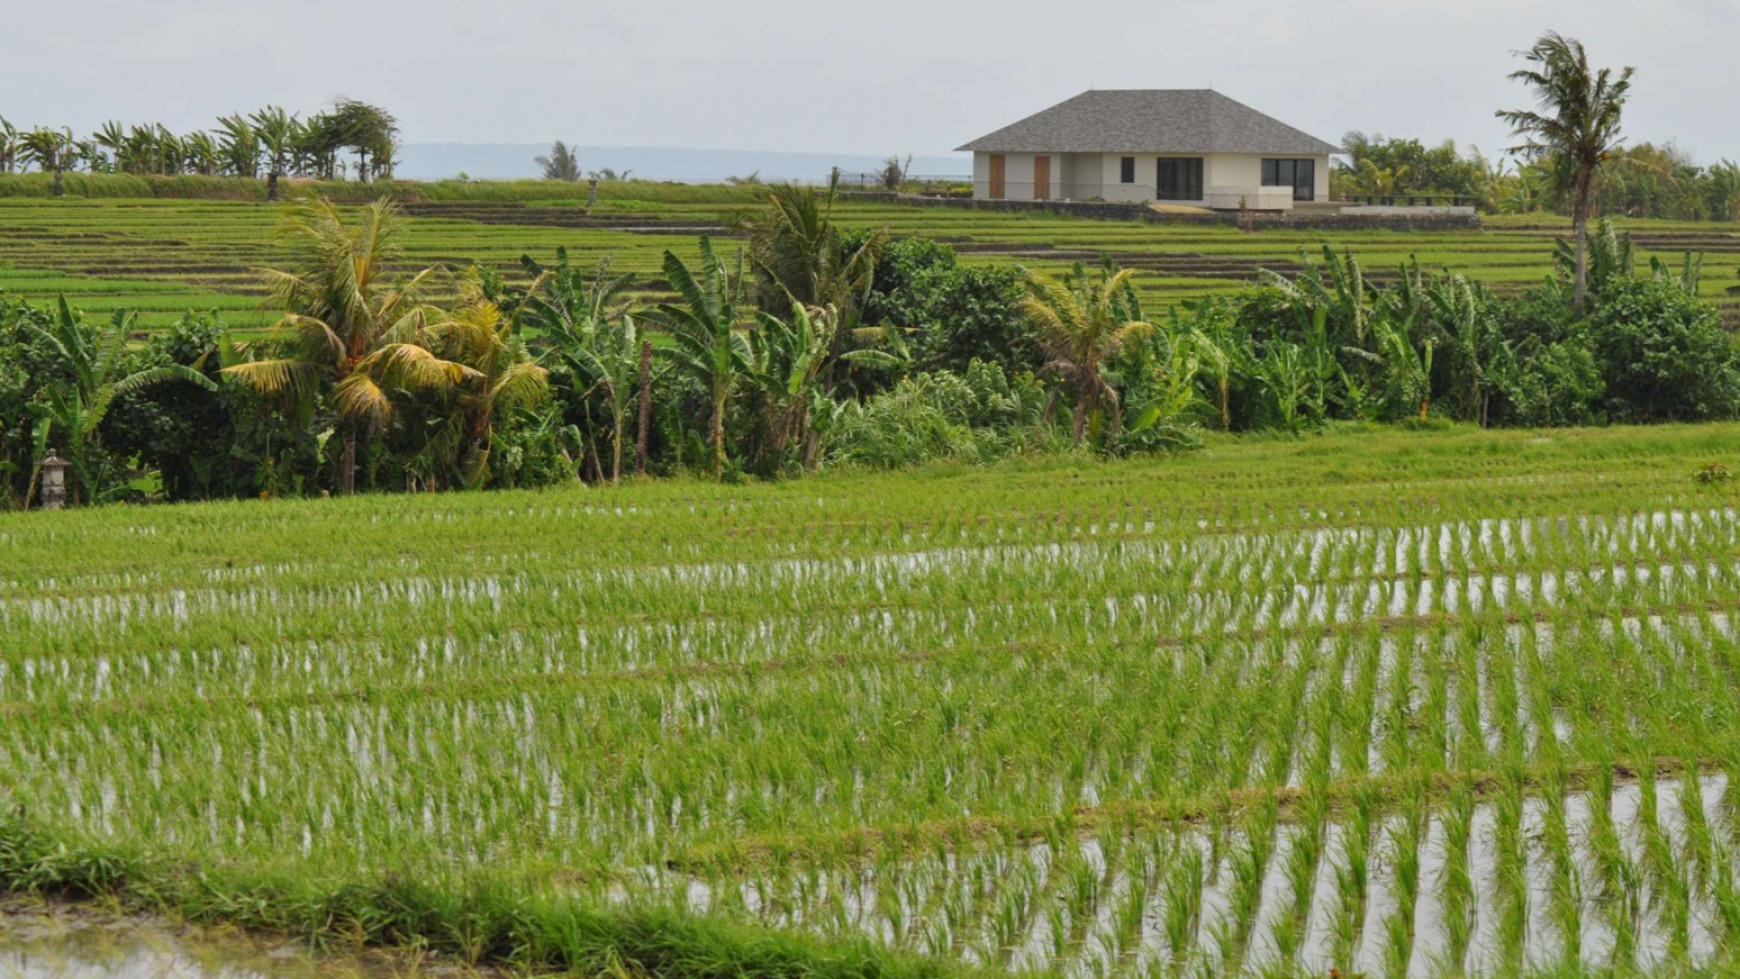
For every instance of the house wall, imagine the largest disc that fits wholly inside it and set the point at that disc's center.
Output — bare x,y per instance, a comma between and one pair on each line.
1240,172
1017,175
1226,178
1081,171
1112,166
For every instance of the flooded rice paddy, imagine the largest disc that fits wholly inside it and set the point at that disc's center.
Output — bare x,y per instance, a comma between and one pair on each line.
1474,713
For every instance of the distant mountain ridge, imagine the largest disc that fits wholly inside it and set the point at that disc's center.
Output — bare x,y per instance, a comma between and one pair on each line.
503,161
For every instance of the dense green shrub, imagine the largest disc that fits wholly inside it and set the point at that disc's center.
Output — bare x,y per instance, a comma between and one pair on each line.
971,313
1662,354
1560,385
955,314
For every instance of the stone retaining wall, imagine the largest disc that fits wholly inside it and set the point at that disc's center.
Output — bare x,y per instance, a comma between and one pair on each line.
1395,220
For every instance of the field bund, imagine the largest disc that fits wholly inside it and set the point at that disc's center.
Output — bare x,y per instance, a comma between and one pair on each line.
1396,702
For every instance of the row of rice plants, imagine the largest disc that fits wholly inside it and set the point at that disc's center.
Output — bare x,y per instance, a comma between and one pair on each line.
1470,706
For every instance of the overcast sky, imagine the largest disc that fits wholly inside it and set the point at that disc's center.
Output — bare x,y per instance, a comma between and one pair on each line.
873,76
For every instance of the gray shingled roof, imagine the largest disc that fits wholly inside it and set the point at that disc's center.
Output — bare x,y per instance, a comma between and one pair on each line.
1150,121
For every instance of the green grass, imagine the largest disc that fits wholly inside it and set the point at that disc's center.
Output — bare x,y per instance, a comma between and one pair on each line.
183,250
1057,715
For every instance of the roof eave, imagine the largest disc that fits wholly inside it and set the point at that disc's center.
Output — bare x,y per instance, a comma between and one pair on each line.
1322,149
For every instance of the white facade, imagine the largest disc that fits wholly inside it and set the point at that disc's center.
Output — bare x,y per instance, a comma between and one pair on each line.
1229,180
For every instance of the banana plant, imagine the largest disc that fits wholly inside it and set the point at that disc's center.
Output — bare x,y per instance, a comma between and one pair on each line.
588,327
1317,358
1223,352
1343,291
50,150
1282,373
1687,278
607,356
75,408
112,138
786,360
201,153
1475,341
1358,398
890,350
1169,401
238,145
706,342
9,146
1410,367
276,130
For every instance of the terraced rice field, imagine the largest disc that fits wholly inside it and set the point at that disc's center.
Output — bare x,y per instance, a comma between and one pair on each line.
165,256
1471,703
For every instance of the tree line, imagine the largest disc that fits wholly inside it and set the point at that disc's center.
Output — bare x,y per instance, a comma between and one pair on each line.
809,345
351,139
1646,180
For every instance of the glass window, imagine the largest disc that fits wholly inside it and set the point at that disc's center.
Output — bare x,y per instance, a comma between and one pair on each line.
1127,170
1178,179
1271,173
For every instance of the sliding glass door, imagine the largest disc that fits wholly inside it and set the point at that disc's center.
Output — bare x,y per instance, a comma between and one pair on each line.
1179,179
1300,175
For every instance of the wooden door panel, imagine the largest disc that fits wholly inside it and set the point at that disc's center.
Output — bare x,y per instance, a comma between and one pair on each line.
997,171
1041,178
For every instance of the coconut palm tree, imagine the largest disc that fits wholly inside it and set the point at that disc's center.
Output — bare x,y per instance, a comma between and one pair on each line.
802,260
707,345
498,376
1081,328
1576,127
562,163
346,330
1369,178
795,246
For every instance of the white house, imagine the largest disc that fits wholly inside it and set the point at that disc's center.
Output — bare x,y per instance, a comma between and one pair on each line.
1187,146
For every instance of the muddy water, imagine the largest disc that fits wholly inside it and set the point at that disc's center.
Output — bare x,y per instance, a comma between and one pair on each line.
61,942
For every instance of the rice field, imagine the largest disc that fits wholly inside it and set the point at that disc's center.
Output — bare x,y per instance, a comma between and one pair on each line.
163,257
1468,705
